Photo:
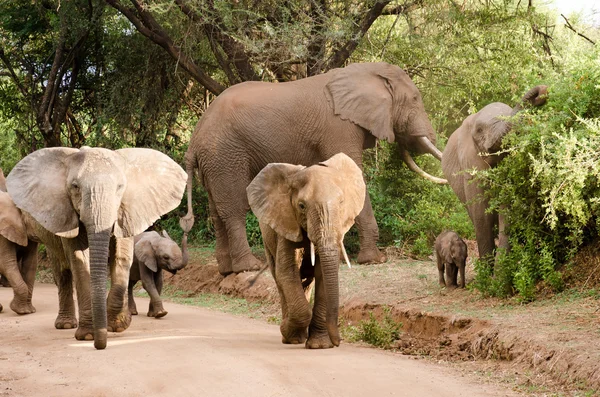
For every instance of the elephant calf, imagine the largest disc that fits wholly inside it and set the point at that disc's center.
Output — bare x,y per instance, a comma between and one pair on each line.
451,253
154,253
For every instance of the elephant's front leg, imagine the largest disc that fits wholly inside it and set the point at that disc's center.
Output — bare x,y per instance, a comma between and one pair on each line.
149,281
130,300
121,258
76,255
318,337
368,234
287,275
10,268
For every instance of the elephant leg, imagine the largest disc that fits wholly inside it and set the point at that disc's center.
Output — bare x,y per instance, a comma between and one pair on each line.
455,274
368,234
222,245
450,281
4,282
287,275
462,274
117,307
10,269
318,337
29,268
484,224
503,243
242,259
130,301
152,283
66,318
440,266
77,255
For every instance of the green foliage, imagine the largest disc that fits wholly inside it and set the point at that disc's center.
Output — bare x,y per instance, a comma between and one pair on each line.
374,332
547,186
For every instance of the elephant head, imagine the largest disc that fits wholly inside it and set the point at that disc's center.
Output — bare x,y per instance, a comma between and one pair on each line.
382,99
489,126
102,192
161,252
319,203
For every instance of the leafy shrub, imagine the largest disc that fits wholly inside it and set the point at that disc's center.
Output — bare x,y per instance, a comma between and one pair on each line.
379,334
547,186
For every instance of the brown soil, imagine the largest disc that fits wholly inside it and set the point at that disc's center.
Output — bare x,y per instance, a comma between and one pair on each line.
549,345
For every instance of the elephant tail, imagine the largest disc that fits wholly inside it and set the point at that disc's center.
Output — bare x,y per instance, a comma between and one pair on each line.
187,221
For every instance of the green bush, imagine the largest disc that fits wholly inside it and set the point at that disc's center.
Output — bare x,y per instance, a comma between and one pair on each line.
377,333
547,186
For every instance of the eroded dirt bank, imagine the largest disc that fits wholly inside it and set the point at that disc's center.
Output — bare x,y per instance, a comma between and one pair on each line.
522,339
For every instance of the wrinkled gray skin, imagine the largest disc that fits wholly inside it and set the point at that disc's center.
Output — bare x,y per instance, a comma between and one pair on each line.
301,122
472,146
295,206
451,254
85,206
18,254
154,253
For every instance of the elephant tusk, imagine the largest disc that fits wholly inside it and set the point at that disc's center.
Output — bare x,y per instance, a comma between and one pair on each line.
431,147
345,255
312,253
410,163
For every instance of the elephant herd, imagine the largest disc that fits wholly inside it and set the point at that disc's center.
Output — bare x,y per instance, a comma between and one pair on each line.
291,152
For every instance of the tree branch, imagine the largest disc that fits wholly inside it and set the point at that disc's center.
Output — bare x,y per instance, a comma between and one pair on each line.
147,26
568,25
12,74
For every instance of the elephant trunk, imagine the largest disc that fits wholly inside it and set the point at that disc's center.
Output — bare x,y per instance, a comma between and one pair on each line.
184,251
536,96
99,244
329,255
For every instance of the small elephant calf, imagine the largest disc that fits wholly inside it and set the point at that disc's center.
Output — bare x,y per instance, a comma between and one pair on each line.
154,253
451,253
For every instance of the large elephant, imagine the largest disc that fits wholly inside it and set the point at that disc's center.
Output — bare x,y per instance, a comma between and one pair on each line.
18,255
154,253
302,210
86,205
301,122
474,146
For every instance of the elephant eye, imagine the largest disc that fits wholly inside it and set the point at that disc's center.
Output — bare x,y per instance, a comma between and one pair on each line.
301,205
74,185
119,187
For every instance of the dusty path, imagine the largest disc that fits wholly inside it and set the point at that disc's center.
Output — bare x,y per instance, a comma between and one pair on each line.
199,352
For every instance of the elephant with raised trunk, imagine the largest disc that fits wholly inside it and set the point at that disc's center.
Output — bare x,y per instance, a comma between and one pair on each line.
86,205
303,122
302,210
474,146
154,253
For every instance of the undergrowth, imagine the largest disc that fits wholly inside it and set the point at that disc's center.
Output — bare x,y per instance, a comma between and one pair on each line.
377,333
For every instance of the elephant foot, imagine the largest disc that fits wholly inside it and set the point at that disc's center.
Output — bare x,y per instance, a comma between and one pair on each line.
247,263
157,314
65,322
21,308
319,340
293,335
120,322
133,311
371,255
84,333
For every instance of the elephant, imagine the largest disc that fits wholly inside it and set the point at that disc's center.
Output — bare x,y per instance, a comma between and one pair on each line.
86,205
18,255
307,209
474,146
307,121
451,253
152,254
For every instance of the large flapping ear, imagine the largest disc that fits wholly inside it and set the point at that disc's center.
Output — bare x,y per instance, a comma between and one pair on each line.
362,93
11,224
38,185
155,185
352,184
2,181
144,253
269,195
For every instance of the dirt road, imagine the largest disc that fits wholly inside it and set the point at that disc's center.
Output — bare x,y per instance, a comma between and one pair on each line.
199,352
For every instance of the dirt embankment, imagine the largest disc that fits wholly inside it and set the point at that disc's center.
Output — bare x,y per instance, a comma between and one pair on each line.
522,337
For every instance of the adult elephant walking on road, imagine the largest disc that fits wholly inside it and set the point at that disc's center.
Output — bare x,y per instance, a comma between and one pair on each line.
301,122
473,146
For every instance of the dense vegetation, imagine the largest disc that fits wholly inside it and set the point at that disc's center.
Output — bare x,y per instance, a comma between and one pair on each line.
136,73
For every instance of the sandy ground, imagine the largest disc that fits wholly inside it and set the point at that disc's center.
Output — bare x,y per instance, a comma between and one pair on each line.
199,352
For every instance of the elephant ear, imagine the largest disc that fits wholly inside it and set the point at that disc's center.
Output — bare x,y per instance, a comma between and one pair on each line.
351,181
11,224
155,185
144,253
2,181
489,126
362,94
269,195
38,185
